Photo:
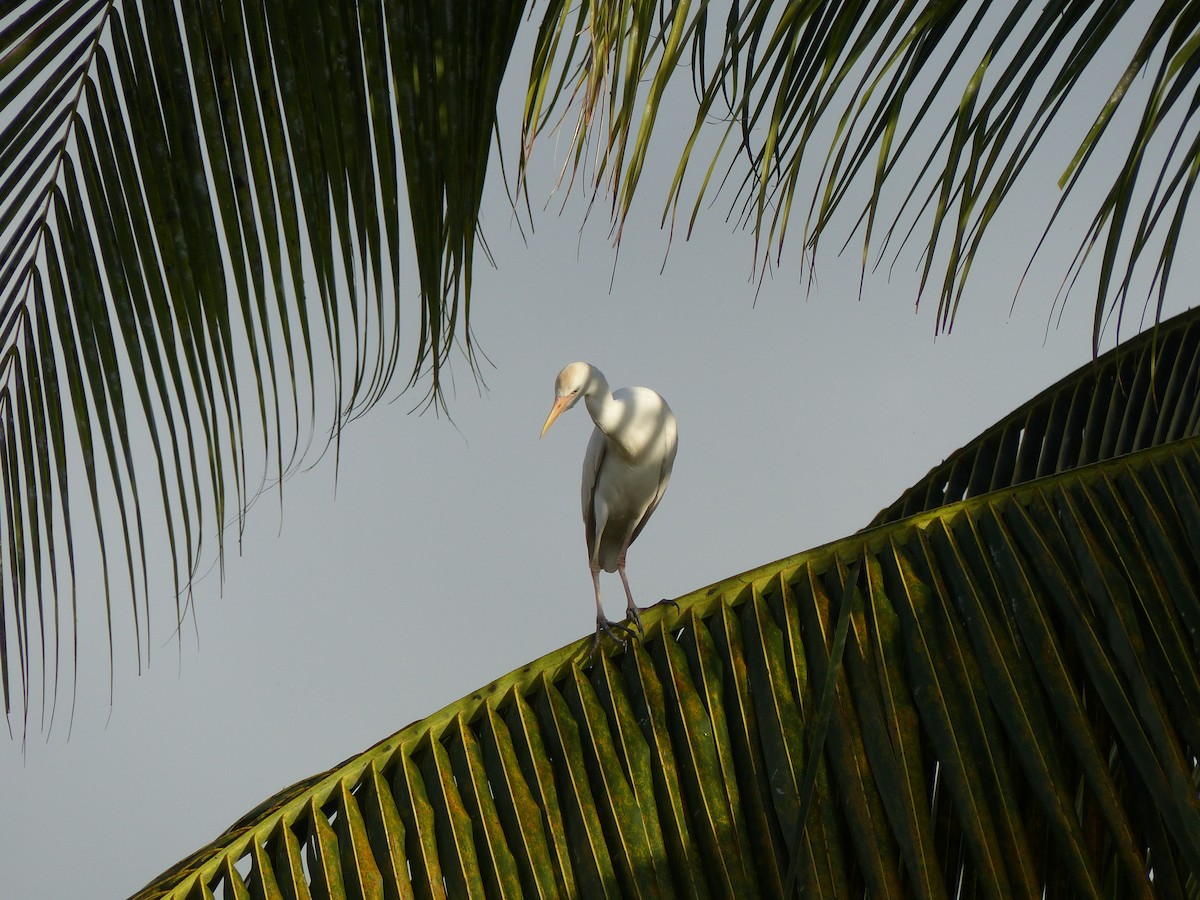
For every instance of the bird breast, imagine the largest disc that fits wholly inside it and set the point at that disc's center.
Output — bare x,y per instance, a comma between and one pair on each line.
625,469
636,423
626,487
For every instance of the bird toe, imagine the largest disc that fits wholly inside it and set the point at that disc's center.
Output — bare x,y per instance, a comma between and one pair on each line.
604,626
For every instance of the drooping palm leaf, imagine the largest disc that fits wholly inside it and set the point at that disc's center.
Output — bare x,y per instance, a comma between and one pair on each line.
837,104
1014,716
201,223
202,209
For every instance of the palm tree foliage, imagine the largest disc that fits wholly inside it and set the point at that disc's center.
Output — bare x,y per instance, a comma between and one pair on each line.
1140,395
858,85
1014,712
202,219
203,224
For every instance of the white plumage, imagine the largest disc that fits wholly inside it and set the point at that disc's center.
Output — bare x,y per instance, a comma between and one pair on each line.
625,470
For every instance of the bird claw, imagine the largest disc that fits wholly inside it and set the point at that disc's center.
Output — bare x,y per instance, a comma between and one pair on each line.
604,626
631,615
668,602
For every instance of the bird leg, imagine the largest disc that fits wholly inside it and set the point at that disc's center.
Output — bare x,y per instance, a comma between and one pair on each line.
631,611
602,622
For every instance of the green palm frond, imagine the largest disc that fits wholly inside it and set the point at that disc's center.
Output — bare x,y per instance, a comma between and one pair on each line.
201,218
1014,716
840,101
202,211
1144,393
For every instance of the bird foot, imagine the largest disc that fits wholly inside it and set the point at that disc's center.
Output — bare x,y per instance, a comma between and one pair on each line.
668,602
604,626
631,615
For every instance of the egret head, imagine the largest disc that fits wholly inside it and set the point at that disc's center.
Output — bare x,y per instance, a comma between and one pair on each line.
573,382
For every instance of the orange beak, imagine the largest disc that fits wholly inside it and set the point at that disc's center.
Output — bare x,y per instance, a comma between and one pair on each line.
560,404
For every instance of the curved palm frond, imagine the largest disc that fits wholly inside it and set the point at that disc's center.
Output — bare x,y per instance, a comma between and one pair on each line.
201,216
1144,393
1014,716
864,89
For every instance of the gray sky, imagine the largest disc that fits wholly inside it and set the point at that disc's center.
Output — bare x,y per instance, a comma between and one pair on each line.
454,553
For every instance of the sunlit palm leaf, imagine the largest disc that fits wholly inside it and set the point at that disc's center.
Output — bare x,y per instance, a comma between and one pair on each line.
837,101
201,230
1014,716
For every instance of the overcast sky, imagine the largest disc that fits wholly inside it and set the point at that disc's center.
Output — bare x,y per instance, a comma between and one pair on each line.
454,553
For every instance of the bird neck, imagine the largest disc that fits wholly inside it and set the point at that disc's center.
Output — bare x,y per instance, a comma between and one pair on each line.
604,409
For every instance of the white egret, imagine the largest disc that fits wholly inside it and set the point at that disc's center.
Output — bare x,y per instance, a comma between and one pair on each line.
625,470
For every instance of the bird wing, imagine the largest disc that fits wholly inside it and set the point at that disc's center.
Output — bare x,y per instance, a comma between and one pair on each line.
671,438
593,459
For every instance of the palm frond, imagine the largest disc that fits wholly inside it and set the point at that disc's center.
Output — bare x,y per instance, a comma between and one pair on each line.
201,229
1014,715
1144,393
839,101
